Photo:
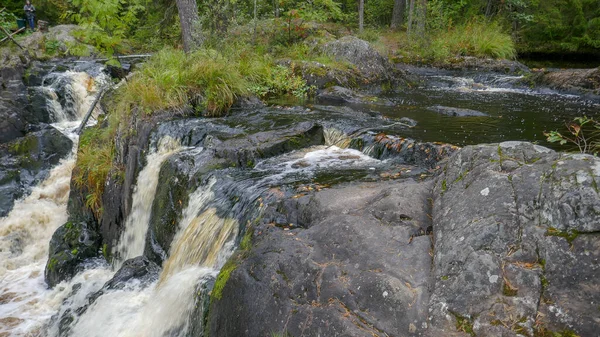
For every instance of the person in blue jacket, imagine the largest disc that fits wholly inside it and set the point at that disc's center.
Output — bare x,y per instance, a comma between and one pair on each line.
29,14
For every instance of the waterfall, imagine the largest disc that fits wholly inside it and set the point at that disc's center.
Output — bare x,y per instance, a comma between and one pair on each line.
24,237
336,137
200,248
25,302
133,239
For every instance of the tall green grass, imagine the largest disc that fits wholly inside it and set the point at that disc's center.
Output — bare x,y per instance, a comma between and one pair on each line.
480,39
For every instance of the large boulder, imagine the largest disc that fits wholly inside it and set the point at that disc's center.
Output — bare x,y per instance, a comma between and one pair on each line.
374,67
71,245
516,245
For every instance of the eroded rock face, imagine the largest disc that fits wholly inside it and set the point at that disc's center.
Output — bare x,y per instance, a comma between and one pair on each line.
516,242
503,242
356,269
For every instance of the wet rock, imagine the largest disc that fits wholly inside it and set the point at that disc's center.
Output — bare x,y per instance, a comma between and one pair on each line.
244,152
26,161
484,64
340,95
576,80
404,150
373,67
138,269
456,112
355,270
70,246
516,243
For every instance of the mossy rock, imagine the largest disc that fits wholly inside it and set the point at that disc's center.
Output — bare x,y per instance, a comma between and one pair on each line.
70,246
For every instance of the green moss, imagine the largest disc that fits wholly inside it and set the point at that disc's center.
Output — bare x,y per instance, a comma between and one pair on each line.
464,324
74,251
569,235
544,332
105,252
246,242
223,277
445,278
52,263
283,275
24,146
444,186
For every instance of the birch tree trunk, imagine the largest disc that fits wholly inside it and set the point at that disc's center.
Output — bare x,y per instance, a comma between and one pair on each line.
191,32
398,14
361,15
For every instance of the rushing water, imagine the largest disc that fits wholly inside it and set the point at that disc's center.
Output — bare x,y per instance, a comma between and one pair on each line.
25,302
133,239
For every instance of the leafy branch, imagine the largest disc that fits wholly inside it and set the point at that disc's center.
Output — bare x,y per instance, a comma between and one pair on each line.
583,132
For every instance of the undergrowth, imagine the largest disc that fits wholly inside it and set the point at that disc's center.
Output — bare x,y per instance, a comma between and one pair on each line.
474,38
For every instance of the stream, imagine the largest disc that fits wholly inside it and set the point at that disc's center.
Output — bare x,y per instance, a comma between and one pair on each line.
213,217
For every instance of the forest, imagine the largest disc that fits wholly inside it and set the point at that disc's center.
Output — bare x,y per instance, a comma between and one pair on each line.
534,26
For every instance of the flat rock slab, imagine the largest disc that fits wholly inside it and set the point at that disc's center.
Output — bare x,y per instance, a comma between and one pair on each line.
516,242
357,270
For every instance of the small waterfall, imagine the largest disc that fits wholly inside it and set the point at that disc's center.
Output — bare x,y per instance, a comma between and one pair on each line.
336,137
133,239
25,302
200,248
201,243
74,90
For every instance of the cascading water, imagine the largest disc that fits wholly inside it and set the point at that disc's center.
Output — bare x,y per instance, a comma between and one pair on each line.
201,247
131,243
25,302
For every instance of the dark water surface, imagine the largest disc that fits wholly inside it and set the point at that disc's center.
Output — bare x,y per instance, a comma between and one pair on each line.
513,112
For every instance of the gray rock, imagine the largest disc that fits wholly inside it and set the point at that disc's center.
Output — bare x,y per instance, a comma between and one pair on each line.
484,64
373,66
456,112
515,228
357,269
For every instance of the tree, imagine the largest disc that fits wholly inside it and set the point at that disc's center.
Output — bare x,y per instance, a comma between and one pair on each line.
361,15
398,14
411,11
191,30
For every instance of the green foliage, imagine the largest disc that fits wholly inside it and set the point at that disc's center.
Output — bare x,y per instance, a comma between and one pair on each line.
582,132
8,21
474,38
105,23
94,163
51,47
